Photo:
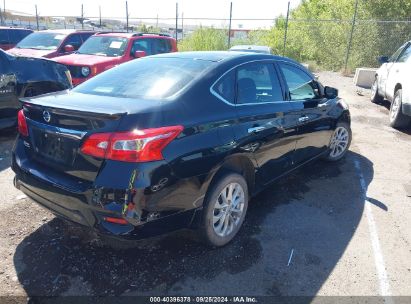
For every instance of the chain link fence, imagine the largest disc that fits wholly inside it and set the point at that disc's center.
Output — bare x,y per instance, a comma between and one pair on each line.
324,44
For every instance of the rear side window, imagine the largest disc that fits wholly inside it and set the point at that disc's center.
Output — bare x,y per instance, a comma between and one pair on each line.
258,83
161,46
225,87
300,85
142,45
4,36
17,35
145,78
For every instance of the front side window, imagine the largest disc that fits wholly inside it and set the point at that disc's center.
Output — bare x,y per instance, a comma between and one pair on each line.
41,41
300,85
74,40
258,83
405,55
146,78
104,46
397,53
142,45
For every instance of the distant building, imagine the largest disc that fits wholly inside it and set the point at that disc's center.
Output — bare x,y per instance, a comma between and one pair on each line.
239,33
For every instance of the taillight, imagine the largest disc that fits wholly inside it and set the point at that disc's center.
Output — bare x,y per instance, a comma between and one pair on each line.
135,146
22,123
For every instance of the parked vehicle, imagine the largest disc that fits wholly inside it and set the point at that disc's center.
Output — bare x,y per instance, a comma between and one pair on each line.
50,43
251,48
175,140
25,77
104,51
392,82
10,36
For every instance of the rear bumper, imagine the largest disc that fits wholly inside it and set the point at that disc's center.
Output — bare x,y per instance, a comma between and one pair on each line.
92,217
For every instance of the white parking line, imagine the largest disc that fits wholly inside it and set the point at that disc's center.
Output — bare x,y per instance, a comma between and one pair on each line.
372,226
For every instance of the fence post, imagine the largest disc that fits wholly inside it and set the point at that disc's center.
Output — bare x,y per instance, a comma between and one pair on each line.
229,25
126,17
351,34
99,13
176,22
37,18
286,28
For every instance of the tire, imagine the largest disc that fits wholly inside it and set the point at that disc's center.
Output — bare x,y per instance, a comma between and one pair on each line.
375,96
340,142
397,118
213,233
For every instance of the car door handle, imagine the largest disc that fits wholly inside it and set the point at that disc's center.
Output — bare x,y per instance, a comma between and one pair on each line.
255,129
303,118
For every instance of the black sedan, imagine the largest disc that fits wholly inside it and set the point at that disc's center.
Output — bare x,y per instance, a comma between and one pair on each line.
175,141
25,77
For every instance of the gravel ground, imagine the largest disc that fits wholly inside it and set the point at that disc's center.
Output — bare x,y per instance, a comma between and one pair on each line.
347,225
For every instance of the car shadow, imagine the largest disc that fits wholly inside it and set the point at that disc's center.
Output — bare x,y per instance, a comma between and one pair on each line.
7,137
387,104
313,213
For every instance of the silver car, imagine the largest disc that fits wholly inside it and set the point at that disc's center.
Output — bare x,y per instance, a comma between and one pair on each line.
393,82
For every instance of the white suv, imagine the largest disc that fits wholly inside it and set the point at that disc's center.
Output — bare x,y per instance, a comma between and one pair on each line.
393,82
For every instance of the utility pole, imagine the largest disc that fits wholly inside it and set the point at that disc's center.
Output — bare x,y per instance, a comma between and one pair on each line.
176,21
37,18
229,24
127,16
99,13
4,8
82,17
347,55
286,27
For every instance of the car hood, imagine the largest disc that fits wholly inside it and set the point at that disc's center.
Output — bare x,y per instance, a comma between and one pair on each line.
82,59
30,52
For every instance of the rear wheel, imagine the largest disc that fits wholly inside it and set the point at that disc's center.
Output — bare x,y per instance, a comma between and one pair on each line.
224,210
397,118
375,96
340,142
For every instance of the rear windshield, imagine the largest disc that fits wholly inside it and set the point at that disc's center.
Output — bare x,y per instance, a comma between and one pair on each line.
151,77
41,41
104,46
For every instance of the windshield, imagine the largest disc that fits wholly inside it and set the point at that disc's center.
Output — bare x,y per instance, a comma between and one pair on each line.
151,77
104,46
41,41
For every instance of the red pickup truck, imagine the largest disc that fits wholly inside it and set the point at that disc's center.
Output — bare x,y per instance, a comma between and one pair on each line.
103,51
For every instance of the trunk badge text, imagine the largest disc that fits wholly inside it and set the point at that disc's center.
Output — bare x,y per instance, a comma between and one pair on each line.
46,116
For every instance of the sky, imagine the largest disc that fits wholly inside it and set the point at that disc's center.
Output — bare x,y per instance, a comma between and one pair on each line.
255,9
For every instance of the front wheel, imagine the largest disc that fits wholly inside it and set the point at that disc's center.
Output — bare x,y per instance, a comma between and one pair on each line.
340,142
224,210
397,118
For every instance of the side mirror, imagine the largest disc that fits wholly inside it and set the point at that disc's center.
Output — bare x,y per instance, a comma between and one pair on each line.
139,54
383,59
330,93
68,48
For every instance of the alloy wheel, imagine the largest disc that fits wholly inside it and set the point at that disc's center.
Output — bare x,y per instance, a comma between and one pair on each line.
339,142
228,209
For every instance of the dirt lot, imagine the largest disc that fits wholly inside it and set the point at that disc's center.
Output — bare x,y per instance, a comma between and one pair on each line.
347,225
